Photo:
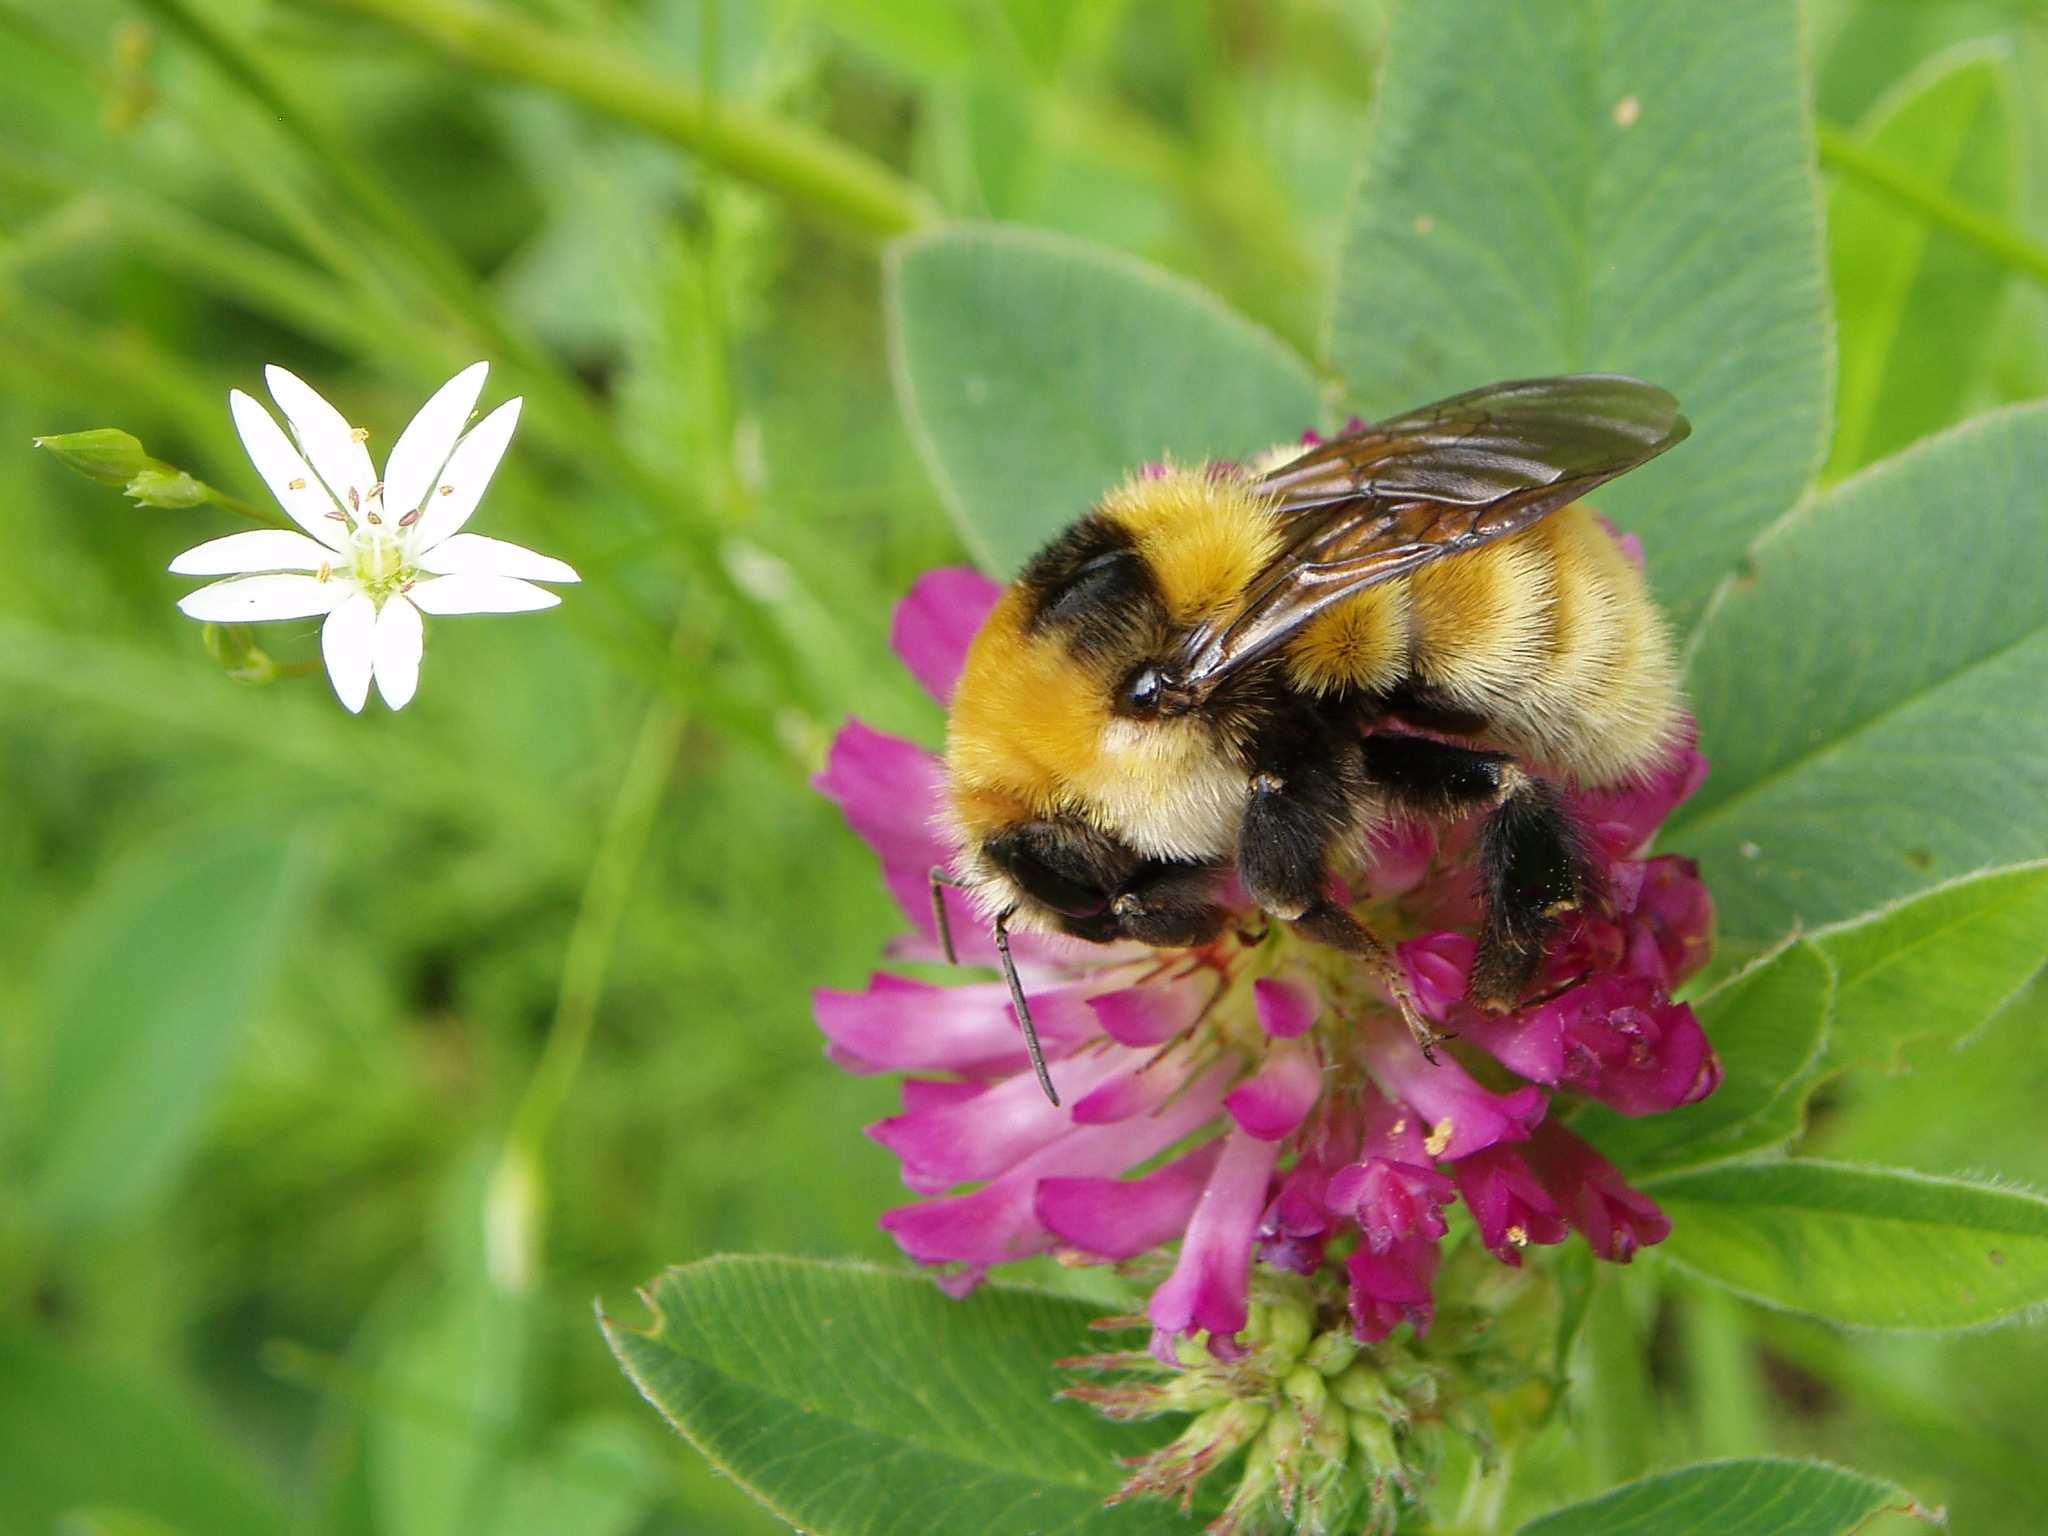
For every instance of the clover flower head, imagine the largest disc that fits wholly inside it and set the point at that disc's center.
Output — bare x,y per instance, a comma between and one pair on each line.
375,553
1258,1100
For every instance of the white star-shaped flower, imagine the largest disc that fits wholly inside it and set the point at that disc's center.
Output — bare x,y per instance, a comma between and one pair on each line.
381,552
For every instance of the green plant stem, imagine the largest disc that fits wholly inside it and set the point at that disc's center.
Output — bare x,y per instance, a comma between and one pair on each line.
808,167
516,1206
1840,151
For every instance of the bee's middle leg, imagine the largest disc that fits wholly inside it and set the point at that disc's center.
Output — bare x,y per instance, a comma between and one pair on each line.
1306,797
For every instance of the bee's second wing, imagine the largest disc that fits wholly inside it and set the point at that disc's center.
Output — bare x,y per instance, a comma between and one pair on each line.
1450,477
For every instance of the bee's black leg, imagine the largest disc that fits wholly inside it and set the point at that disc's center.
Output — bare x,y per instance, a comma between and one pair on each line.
1307,795
1534,867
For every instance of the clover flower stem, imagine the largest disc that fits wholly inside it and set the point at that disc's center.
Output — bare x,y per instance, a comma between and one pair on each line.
515,1208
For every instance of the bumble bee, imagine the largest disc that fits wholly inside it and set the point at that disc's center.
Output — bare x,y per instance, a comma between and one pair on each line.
1223,669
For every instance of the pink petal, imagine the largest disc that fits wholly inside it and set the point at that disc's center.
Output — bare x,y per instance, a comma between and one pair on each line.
999,1222
1286,1008
921,1093
1462,1117
1615,1219
892,792
1389,1200
915,1026
980,1138
1278,1098
1629,1046
1122,1218
1512,1209
1156,1010
1392,1288
938,620
1208,1286
1398,859
1437,965
1624,818
1137,1090
1530,1042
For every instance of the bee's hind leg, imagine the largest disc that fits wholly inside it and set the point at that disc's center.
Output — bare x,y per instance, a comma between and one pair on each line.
1533,862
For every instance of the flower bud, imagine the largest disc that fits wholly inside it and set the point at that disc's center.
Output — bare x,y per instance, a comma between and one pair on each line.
1331,1353
105,454
162,486
234,647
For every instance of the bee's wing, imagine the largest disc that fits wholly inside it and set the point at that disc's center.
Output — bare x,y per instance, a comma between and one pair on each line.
1438,481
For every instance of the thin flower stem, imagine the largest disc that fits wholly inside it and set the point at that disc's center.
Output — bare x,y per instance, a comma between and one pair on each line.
1841,151
806,166
515,1210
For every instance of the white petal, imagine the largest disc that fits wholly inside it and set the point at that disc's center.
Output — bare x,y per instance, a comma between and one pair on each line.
291,480
466,476
478,594
472,554
325,435
400,636
260,549
254,599
423,447
348,645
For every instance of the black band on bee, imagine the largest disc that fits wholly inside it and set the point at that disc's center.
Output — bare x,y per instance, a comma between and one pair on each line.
1534,866
1093,587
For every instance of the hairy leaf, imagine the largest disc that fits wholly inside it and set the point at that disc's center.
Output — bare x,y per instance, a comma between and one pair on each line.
1914,305
1871,1247
1763,1496
852,1401
1864,692
1621,186
1037,371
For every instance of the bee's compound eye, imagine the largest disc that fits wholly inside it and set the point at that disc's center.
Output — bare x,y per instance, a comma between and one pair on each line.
1142,691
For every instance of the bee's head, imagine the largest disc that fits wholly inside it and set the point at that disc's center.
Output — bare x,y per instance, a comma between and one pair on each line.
1059,874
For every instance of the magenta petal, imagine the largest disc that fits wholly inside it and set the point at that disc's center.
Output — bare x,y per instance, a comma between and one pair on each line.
1274,1100
891,791
1137,1089
1615,1218
999,1221
1395,1287
1155,1010
1629,1046
1622,820
914,1026
1462,1116
922,1093
1512,1209
1121,1218
1398,859
936,622
977,1139
1286,1008
1208,1286
1436,965
1389,1200
1530,1042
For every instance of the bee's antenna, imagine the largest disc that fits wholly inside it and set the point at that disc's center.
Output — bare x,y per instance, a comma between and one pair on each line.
1023,1008
940,880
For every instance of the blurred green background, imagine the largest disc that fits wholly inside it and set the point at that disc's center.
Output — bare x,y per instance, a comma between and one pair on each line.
306,1182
